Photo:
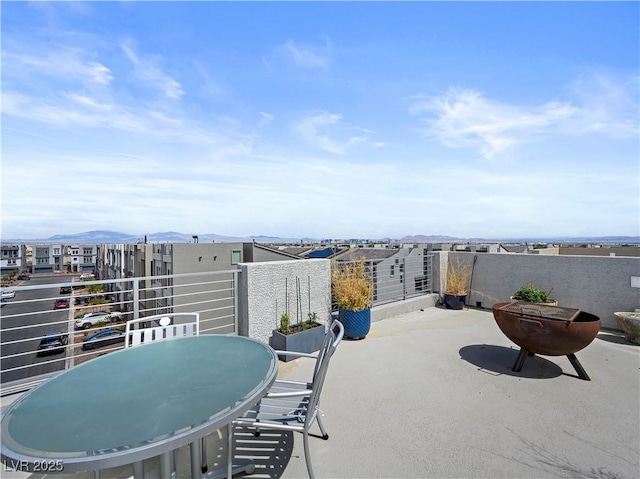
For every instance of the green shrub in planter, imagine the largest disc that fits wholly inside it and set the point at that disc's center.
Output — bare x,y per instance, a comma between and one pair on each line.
529,292
304,337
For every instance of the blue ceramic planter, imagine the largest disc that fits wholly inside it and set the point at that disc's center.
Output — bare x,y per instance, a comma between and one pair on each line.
356,323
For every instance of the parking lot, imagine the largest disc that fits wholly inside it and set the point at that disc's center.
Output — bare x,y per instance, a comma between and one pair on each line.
36,315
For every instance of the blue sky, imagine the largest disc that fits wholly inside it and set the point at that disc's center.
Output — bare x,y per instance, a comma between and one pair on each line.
326,120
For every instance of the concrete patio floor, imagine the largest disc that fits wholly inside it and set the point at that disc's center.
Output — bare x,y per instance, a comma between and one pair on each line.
430,394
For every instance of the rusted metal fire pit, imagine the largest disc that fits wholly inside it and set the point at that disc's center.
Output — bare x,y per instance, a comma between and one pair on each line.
547,330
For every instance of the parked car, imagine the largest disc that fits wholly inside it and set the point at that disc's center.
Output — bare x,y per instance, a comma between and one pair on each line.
24,277
61,304
87,276
52,344
80,299
65,290
103,338
91,319
8,293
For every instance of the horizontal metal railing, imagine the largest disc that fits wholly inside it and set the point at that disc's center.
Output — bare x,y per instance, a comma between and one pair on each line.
401,278
33,315
397,279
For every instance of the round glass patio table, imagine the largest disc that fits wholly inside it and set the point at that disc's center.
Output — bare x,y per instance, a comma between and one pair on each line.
136,403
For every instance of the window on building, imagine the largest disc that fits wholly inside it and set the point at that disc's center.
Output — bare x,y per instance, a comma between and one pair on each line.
393,270
236,256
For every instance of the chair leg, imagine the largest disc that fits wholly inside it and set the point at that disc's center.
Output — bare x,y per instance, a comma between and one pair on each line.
230,451
138,470
324,436
194,449
307,456
203,455
167,470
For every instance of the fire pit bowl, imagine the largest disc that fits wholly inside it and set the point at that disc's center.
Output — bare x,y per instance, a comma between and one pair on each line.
546,330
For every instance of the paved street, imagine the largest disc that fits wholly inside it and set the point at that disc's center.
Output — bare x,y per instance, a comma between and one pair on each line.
32,307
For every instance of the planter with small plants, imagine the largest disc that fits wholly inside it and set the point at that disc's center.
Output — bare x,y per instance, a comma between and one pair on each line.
303,336
531,294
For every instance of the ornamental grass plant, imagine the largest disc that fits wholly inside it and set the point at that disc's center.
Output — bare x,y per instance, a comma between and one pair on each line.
352,286
458,276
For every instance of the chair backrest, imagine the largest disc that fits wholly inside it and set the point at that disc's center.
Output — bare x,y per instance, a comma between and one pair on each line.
332,339
161,327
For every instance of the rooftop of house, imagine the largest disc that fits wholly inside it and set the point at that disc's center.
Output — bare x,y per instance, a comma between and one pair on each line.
367,254
431,394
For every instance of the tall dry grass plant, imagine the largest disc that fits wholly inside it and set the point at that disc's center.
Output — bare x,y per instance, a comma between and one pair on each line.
352,286
458,276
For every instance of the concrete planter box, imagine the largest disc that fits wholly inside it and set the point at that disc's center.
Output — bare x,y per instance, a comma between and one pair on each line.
307,341
629,323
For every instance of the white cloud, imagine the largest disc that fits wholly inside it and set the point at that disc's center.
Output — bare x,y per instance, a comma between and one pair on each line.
265,118
69,64
304,55
307,56
466,118
326,131
89,102
309,128
149,73
609,105
210,88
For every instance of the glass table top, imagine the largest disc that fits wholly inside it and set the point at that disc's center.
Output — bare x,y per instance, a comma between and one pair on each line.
140,396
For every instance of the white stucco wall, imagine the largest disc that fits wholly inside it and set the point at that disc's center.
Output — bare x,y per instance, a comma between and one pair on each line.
264,287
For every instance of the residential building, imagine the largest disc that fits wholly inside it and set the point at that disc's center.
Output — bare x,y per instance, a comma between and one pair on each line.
47,257
12,258
82,257
162,260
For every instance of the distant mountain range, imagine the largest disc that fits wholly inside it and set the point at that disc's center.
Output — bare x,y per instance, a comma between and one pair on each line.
101,236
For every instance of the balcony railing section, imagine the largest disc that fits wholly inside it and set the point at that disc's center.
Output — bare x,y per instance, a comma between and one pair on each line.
40,336
397,279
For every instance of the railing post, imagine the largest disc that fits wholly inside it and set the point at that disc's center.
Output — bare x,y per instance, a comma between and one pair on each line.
235,301
404,278
136,297
429,272
68,350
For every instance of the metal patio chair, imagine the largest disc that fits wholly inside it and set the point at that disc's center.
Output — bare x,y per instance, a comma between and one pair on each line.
292,405
161,327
